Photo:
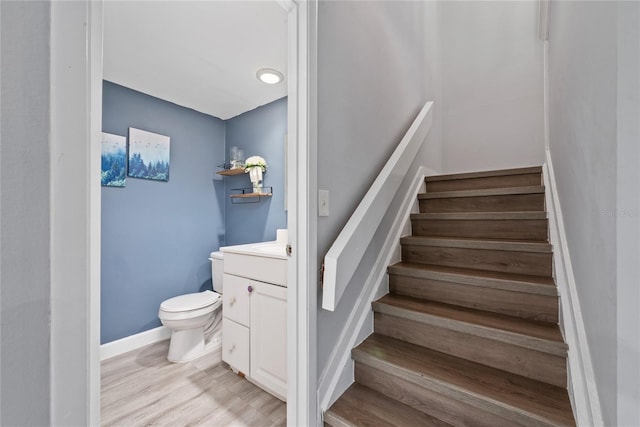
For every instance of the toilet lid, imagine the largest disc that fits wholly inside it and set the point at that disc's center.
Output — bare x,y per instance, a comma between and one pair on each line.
190,301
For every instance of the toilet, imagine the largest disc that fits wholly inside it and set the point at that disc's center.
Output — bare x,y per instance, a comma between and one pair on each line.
195,319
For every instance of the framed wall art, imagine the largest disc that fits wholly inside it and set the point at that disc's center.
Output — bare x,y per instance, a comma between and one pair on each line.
114,160
148,155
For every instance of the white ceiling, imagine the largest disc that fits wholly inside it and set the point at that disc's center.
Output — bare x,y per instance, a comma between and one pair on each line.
199,54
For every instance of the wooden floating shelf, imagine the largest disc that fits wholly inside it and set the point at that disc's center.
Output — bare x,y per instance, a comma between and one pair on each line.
230,172
249,195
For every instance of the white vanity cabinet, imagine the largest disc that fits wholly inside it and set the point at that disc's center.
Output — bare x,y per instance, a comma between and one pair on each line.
254,323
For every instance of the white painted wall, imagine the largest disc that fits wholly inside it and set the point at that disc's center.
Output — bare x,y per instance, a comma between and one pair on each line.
24,213
492,85
594,115
628,214
373,78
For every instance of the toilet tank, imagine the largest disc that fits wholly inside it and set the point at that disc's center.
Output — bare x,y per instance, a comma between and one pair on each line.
217,270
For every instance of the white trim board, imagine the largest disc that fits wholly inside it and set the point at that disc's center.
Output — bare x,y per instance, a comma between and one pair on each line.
76,122
133,342
301,215
338,374
582,384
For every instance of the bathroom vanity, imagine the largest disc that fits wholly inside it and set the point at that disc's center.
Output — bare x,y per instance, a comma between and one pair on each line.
254,309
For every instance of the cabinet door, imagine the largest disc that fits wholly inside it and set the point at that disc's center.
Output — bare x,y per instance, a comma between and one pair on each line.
269,337
235,298
235,345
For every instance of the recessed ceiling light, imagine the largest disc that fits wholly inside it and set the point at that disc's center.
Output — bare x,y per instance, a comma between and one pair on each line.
269,76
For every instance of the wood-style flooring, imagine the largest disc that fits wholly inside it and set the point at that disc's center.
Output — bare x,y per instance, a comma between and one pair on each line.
141,388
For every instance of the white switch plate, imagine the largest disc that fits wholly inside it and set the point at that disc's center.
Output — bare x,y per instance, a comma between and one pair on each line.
323,203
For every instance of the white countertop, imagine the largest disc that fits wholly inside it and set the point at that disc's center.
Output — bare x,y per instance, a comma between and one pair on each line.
272,249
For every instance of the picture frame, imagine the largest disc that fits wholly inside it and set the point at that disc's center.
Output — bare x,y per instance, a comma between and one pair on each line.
114,160
149,155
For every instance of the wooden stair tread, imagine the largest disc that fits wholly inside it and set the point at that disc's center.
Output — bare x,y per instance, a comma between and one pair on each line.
484,174
477,216
469,333
504,191
505,281
481,386
475,243
539,336
362,406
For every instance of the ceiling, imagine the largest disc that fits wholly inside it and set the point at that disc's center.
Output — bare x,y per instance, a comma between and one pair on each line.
199,54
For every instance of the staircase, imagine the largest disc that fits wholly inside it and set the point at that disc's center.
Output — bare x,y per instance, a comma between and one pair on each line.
468,335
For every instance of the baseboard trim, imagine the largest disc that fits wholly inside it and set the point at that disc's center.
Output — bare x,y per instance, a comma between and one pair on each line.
338,374
132,342
581,379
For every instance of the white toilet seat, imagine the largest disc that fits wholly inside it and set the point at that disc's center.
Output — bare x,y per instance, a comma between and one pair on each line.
192,301
189,306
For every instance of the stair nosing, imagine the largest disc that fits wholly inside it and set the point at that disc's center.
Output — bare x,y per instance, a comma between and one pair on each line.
475,243
501,191
484,174
373,394
543,345
334,420
480,216
418,271
464,395
332,416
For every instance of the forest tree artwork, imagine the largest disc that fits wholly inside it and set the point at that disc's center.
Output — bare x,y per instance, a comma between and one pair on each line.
114,160
148,155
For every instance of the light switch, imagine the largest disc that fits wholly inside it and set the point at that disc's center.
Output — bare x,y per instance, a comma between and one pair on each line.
323,203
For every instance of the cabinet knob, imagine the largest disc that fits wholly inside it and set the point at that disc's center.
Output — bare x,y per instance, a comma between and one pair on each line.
233,347
233,301
249,288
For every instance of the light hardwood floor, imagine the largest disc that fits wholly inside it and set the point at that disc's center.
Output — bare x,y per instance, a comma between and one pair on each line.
141,388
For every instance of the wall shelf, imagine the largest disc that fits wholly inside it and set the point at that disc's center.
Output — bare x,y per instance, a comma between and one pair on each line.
231,172
246,195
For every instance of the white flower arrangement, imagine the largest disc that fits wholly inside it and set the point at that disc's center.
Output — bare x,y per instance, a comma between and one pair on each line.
255,161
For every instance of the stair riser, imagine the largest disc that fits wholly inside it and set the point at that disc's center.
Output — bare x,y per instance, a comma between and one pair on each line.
529,363
533,263
522,180
426,400
485,229
527,306
503,203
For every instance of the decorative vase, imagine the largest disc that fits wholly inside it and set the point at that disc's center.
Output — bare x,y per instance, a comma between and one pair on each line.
255,174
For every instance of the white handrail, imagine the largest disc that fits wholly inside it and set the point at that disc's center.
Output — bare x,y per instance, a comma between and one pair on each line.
345,254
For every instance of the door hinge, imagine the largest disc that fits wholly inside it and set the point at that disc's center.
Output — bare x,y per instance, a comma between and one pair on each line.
289,250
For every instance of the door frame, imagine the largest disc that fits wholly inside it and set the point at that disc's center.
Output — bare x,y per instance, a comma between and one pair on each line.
76,122
302,396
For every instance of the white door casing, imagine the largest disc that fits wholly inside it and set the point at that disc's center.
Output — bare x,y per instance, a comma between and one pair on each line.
76,383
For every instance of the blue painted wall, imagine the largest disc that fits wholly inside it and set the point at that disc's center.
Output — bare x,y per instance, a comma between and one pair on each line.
259,132
157,236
